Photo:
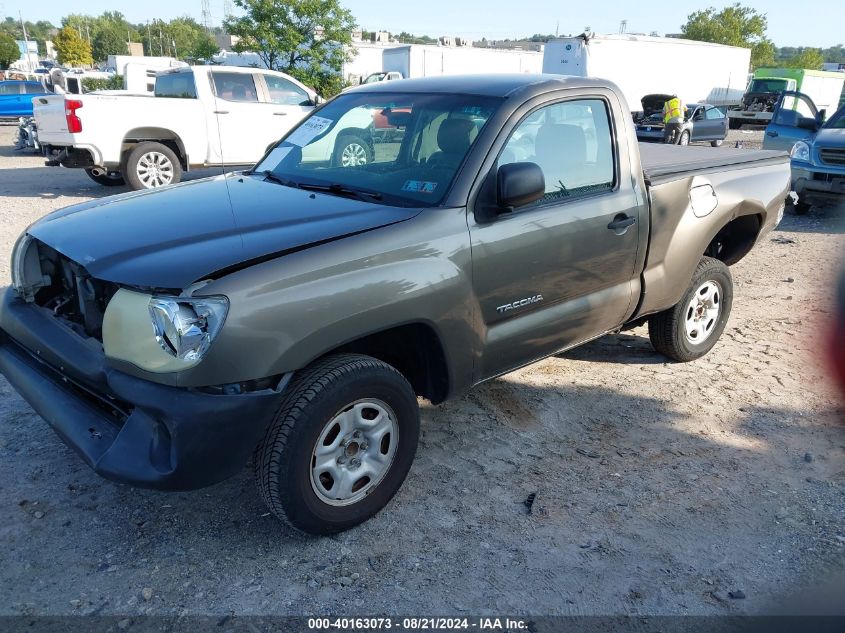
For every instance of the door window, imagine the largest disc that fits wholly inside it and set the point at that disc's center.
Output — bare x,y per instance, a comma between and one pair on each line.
235,86
33,89
9,89
284,92
713,114
572,144
792,109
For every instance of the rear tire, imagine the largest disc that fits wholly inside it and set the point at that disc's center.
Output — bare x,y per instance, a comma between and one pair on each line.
690,328
352,150
151,165
109,179
337,411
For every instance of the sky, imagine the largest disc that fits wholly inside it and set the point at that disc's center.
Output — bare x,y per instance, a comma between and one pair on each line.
495,19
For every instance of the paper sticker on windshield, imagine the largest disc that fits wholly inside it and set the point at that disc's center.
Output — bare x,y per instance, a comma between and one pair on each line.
419,186
308,131
277,156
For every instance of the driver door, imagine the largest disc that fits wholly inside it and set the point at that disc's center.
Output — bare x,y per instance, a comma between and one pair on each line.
793,120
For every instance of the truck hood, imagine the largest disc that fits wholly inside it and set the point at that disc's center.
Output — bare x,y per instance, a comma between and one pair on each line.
173,237
830,137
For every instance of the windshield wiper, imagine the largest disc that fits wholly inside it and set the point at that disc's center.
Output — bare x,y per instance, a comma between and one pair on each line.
269,175
342,190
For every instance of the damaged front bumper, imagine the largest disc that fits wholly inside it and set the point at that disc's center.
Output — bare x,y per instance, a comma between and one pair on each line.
127,429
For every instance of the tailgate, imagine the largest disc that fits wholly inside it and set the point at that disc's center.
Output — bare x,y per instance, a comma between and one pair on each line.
50,118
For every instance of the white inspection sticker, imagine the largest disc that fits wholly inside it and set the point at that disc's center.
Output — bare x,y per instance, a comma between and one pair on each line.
308,131
277,156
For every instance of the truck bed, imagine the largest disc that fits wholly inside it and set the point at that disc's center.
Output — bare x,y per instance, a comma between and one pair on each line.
666,162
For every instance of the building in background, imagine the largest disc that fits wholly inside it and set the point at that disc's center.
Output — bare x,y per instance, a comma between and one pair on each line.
28,60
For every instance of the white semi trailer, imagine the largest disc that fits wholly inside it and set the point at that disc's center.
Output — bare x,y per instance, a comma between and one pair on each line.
698,72
421,60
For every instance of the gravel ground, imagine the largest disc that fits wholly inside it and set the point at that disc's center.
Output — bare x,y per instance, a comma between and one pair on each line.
657,488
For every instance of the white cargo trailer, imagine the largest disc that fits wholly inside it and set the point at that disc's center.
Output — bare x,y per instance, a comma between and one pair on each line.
420,60
698,72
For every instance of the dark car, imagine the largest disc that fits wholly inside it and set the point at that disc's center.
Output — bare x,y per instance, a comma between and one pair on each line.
16,97
702,122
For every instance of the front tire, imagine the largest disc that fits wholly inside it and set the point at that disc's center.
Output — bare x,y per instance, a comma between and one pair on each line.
340,444
690,328
352,150
151,165
684,139
108,179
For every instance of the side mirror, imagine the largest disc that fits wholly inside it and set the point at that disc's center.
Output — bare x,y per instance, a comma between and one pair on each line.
518,184
820,117
318,100
808,123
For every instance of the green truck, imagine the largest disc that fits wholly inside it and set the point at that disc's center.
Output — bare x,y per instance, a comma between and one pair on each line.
758,102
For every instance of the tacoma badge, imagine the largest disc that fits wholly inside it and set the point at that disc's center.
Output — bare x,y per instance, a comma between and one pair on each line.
521,303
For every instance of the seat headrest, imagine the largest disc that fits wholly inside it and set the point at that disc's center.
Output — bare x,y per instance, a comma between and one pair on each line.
454,136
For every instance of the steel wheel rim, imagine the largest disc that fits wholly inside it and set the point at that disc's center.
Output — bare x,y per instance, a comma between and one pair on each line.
702,314
354,452
154,170
353,155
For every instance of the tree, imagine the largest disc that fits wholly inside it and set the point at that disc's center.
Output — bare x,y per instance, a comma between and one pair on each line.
110,40
811,58
735,26
9,51
205,48
71,49
308,39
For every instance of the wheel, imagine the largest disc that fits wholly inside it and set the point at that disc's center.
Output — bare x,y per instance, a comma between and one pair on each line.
716,143
690,328
684,140
150,165
801,208
734,124
107,179
352,150
340,445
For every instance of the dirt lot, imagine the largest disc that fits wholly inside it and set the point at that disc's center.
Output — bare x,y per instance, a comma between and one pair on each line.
659,487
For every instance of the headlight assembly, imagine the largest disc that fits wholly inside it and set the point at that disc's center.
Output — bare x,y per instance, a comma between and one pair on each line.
801,151
161,334
185,328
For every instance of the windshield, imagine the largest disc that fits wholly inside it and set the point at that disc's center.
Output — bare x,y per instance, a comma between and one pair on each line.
837,121
404,149
767,85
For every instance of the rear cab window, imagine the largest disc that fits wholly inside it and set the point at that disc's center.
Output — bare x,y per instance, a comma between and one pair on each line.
176,86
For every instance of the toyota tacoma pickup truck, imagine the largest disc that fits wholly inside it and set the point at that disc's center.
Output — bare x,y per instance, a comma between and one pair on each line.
291,315
201,116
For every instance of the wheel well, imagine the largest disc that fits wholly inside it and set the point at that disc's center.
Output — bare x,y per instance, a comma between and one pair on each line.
415,350
159,135
735,239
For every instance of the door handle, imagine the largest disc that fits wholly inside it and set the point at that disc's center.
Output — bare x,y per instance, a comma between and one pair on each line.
773,134
221,112
621,222
280,113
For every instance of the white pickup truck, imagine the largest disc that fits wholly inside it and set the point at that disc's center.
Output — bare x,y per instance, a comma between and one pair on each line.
200,116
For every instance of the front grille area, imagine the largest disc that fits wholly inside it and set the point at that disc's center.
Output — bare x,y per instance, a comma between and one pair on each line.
832,155
71,294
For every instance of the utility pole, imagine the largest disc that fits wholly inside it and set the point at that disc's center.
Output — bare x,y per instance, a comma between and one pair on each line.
160,42
206,14
25,42
149,40
557,29
88,33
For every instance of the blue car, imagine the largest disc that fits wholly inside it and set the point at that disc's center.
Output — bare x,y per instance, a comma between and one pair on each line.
817,149
16,97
